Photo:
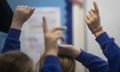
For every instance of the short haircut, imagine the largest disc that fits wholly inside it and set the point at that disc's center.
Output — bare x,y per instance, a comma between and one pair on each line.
15,62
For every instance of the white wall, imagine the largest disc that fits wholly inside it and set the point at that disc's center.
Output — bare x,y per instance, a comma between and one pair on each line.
78,32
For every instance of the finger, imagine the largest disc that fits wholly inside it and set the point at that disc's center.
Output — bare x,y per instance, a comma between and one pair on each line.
59,35
88,17
32,10
87,21
96,7
45,27
93,10
19,7
91,13
58,28
27,7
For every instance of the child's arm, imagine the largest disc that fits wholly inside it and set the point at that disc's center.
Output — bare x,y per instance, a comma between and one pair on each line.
108,46
90,61
51,60
21,15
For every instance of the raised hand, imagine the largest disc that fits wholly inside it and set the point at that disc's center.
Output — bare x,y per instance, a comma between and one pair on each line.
21,14
51,37
93,20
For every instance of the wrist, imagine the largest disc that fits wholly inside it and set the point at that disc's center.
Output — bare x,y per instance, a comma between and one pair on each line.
99,30
51,52
76,52
17,25
99,33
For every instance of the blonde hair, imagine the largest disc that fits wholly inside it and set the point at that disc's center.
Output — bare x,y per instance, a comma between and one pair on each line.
67,63
15,62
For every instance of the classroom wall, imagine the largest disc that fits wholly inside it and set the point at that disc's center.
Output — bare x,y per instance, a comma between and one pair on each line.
78,32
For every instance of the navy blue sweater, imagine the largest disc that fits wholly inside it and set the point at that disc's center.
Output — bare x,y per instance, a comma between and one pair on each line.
52,63
111,50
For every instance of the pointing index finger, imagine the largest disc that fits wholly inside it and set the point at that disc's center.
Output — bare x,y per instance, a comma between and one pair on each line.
96,7
45,27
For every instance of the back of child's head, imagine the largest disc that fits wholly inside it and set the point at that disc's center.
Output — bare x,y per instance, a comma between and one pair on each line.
15,62
67,63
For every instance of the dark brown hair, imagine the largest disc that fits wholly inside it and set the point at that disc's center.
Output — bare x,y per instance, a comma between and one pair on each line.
15,62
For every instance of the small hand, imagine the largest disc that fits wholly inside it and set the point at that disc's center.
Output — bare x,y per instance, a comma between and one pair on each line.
93,20
51,38
21,14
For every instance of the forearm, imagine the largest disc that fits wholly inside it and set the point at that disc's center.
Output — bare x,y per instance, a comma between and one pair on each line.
12,41
108,45
111,50
21,15
92,62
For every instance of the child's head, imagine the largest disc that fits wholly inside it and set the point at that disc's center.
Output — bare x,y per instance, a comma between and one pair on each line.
67,63
15,62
